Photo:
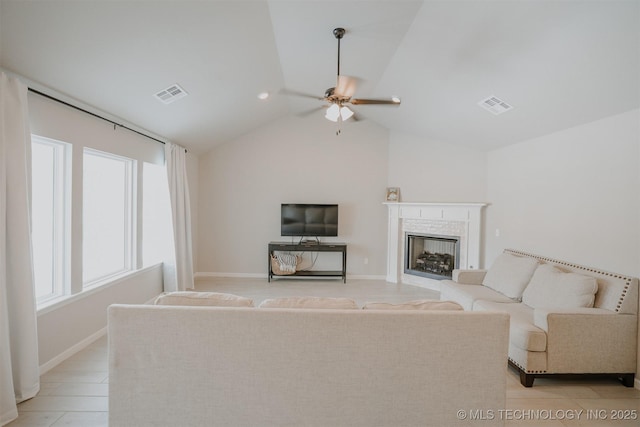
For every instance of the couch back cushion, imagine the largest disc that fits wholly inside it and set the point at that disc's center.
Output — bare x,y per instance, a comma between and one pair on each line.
550,287
424,304
309,302
214,299
510,274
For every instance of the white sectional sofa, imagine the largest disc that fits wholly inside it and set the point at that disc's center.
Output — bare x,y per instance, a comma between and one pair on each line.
173,365
564,318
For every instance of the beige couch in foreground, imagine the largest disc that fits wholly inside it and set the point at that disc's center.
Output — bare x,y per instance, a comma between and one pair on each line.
232,366
564,318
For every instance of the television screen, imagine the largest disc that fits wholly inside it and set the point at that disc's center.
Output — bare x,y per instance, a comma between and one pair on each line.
308,220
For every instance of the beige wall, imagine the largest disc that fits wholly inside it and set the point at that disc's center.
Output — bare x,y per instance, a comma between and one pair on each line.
431,171
572,195
293,160
242,184
68,327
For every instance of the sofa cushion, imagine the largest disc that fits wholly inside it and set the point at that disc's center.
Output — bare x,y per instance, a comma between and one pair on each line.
551,287
424,304
309,302
203,298
466,295
523,333
509,274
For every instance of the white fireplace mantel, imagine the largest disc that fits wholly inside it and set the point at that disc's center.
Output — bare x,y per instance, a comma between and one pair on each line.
461,219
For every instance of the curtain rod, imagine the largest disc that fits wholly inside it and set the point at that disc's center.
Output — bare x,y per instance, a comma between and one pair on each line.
93,114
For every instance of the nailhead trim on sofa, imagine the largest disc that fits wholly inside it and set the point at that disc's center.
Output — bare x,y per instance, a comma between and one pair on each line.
626,279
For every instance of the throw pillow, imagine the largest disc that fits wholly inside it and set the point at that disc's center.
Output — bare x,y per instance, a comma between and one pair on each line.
551,287
309,302
423,304
510,274
204,299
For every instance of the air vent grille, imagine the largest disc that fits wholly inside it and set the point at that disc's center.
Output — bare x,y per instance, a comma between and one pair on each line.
170,94
495,105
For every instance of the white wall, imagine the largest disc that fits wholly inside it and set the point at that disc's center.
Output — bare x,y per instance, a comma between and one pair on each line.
293,160
573,195
431,171
71,323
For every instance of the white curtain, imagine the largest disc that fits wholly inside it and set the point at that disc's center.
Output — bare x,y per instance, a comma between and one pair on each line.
19,371
179,276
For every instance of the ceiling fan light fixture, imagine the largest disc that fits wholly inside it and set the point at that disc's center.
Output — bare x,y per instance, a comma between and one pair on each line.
345,113
337,97
333,113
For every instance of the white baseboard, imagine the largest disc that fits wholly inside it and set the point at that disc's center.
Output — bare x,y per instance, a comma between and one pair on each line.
205,274
47,366
423,285
202,275
367,277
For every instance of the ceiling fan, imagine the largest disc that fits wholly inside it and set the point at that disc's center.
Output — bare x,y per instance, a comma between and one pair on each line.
337,97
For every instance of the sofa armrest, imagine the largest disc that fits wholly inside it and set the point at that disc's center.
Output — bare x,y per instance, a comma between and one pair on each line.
468,277
542,316
586,340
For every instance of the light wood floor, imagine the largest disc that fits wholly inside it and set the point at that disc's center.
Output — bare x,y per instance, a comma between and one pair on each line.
75,393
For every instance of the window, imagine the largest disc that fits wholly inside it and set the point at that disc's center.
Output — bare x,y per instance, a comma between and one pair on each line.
50,189
88,231
108,216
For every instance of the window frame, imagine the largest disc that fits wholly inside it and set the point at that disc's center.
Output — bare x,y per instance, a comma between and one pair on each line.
61,233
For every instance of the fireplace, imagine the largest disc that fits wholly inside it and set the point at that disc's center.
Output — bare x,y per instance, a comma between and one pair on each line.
432,256
461,221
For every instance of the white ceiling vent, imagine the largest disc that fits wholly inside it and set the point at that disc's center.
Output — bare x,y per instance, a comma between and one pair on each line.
495,105
170,94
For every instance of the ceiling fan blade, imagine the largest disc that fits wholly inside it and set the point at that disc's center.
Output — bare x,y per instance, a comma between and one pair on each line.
364,101
346,86
285,91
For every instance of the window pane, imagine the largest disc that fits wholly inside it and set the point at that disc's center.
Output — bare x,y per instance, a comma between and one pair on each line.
107,215
48,216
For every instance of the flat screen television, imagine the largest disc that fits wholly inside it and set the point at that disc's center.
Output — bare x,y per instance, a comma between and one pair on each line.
311,220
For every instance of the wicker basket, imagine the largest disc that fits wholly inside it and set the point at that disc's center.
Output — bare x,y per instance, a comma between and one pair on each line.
275,266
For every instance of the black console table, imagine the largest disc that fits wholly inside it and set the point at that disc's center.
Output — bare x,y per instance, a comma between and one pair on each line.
310,247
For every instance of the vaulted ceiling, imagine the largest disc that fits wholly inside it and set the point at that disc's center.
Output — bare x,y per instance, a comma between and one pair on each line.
558,63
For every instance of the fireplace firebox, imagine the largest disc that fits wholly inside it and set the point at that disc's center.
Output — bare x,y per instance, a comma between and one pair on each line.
431,256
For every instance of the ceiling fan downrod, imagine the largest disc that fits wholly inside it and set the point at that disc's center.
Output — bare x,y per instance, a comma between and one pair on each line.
338,33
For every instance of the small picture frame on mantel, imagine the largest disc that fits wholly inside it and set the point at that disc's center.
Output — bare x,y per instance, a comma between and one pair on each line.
393,194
